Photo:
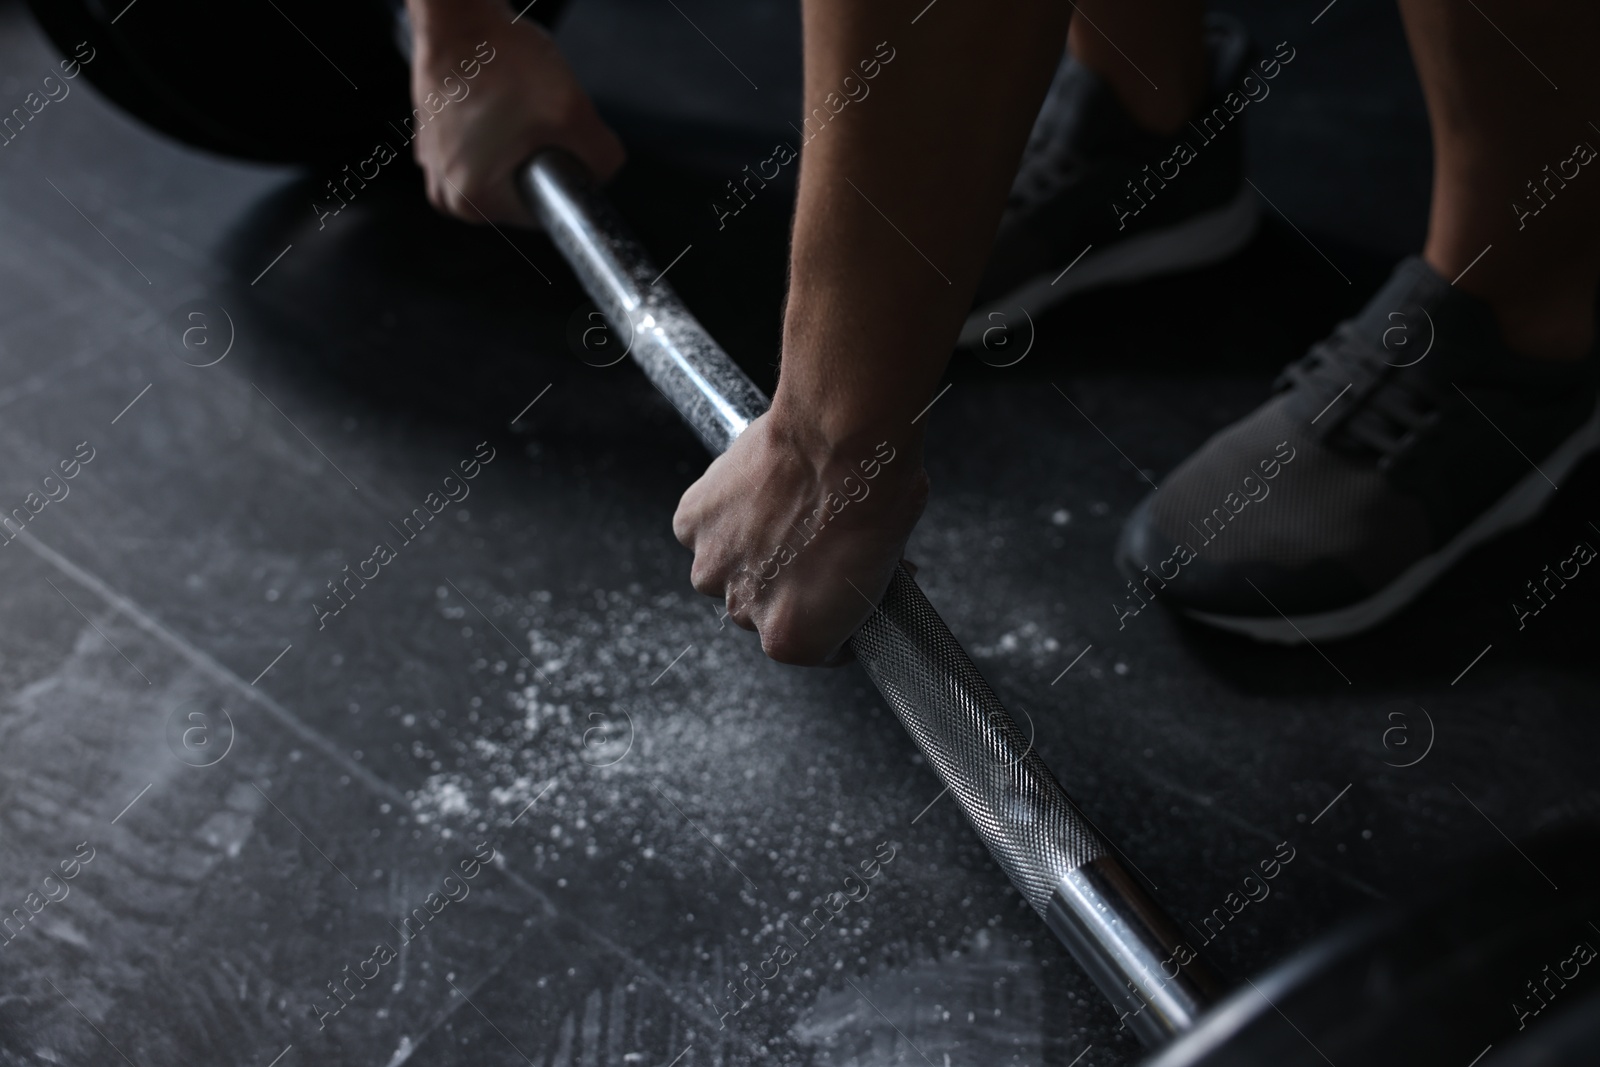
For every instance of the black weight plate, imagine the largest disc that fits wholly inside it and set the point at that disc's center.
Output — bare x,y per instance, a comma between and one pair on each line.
1436,982
287,81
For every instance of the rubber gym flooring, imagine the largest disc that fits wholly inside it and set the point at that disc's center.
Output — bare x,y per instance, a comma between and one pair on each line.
530,679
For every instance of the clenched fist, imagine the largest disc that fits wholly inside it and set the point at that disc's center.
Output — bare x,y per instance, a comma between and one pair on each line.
522,98
800,538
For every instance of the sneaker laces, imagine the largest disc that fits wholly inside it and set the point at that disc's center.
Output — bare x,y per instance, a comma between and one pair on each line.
1373,406
1047,166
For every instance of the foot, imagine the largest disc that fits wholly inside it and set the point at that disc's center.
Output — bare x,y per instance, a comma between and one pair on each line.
1409,436
1114,202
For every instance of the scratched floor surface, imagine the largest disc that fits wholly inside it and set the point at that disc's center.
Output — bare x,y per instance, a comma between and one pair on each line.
515,796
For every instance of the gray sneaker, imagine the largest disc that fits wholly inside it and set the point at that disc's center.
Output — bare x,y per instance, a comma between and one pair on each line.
1406,438
1100,195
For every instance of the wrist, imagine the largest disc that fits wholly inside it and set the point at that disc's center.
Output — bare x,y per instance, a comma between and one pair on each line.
831,436
855,370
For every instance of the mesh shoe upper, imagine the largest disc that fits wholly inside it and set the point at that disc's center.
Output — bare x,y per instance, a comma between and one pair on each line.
1318,504
1380,445
1083,151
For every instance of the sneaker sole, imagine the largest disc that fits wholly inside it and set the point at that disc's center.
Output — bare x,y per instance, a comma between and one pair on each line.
1524,501
1198,242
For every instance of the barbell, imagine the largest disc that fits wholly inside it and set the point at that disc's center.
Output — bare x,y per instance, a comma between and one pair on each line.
1478,975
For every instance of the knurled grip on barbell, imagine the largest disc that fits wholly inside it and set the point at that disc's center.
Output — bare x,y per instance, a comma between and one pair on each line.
992,772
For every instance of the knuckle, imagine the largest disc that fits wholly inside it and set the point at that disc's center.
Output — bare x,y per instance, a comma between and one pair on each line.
741,615
791,653
683,527
461,182
705,578
786,644
742,602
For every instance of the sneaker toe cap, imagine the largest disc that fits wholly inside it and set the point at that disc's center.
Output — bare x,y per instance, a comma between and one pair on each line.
1178,573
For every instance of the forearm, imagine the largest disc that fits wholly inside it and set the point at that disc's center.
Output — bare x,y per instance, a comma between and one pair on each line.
434,22
900,194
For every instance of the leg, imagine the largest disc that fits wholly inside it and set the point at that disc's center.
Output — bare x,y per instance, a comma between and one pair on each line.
1497,124
1150,51
1107,144
1402,464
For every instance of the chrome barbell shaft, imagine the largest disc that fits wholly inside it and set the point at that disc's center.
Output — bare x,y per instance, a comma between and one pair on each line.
1045,845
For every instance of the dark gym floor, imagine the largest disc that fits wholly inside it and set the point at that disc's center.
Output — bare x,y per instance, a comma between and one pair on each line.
533,675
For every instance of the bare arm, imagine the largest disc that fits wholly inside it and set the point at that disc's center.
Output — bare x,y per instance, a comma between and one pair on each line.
900,194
